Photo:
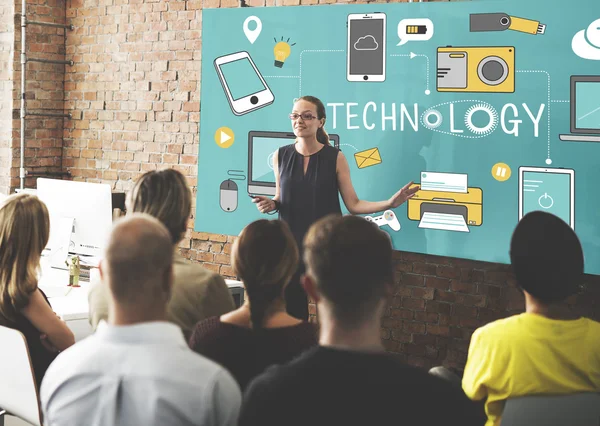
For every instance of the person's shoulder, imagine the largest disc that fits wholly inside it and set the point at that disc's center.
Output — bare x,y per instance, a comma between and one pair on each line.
186,272
593,326
206,331
281,376
71,362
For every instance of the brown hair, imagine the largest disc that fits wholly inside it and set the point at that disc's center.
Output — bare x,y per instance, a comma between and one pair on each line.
265,257
165,195
322,135
350,260
24,232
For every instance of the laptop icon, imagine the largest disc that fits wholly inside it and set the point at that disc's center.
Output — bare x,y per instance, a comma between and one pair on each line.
261,147
585,109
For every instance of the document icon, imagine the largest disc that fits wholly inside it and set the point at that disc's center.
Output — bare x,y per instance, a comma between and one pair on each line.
366,158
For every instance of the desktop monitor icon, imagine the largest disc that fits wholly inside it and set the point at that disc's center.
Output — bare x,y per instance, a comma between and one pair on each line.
585,109
262,145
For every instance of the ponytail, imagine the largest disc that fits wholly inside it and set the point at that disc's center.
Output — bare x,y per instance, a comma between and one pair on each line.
261,299
322,136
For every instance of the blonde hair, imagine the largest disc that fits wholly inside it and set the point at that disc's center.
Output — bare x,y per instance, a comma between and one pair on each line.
24,232
165,195
265,257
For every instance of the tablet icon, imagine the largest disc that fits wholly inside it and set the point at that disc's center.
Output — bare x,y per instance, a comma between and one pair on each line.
546,201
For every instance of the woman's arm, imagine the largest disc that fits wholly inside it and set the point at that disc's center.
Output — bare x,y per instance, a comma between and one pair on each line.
40,314
357,206
266,204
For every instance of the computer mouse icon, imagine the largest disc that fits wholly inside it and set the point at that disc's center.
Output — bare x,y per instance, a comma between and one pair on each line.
228,195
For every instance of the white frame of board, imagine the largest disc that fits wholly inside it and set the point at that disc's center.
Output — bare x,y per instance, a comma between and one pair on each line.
569,172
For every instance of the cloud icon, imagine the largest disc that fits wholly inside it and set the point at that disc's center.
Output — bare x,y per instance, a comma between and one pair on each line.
586,43
367,42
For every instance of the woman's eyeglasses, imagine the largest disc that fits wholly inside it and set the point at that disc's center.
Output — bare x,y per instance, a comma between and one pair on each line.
307,116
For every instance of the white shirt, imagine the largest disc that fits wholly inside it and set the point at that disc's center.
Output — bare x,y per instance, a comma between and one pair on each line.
136,375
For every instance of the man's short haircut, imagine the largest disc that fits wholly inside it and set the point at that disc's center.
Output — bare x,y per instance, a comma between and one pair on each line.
165,195
138,255
350,260
546,257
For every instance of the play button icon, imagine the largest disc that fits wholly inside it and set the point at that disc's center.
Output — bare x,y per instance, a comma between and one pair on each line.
224,137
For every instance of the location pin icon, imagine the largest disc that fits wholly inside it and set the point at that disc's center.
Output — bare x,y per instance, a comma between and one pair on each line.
252,35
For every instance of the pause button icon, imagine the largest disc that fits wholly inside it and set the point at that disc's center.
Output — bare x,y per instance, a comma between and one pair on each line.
501,172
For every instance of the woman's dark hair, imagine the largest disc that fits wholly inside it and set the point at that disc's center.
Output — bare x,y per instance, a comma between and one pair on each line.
322,135
546,257
264,257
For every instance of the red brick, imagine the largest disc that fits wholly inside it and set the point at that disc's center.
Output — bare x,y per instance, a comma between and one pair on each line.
427,317
439,283
438,330
423,293
413,304
437,307
424,268
402,313
413,280
445,296
463,287
413,327
448,272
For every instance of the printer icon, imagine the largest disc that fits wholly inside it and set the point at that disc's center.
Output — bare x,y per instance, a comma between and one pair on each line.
447,210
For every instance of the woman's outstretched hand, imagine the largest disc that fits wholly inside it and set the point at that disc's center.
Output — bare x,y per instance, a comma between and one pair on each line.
404,194
264,204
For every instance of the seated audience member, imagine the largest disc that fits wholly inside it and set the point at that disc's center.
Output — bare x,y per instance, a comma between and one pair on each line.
349,379
260,333
137,369
24,232
546,350
197,292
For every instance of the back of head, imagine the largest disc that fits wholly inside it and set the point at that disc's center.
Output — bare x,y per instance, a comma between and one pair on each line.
265,258
546,257
350,260
165,195
24,232
138,261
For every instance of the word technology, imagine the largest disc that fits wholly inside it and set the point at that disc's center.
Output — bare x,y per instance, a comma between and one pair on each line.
476,118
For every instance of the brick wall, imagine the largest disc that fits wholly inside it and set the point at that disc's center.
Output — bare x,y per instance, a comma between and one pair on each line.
7,28
134,95
44,93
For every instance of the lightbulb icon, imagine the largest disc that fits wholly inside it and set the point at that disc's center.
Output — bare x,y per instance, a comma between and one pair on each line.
281,51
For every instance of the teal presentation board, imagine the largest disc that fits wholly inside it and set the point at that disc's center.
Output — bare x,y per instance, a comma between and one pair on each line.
492,107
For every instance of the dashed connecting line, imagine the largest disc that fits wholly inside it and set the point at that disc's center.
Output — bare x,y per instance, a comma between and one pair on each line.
351,146
548,160
427,92
281,76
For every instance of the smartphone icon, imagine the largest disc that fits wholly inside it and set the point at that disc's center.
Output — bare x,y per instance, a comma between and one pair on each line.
244,86
366,47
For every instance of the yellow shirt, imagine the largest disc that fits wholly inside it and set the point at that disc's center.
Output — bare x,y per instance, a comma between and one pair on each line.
531,354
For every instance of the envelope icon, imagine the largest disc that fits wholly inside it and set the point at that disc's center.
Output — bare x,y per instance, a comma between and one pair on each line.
368,157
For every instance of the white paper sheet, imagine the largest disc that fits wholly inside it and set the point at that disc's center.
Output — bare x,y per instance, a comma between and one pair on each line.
444,221
446,182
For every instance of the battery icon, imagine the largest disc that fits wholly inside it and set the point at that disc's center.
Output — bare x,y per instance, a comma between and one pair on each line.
416,29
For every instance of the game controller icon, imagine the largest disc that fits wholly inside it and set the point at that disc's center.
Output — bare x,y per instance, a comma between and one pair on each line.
387,218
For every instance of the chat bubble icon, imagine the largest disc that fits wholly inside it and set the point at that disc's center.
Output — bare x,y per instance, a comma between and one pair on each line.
417,29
